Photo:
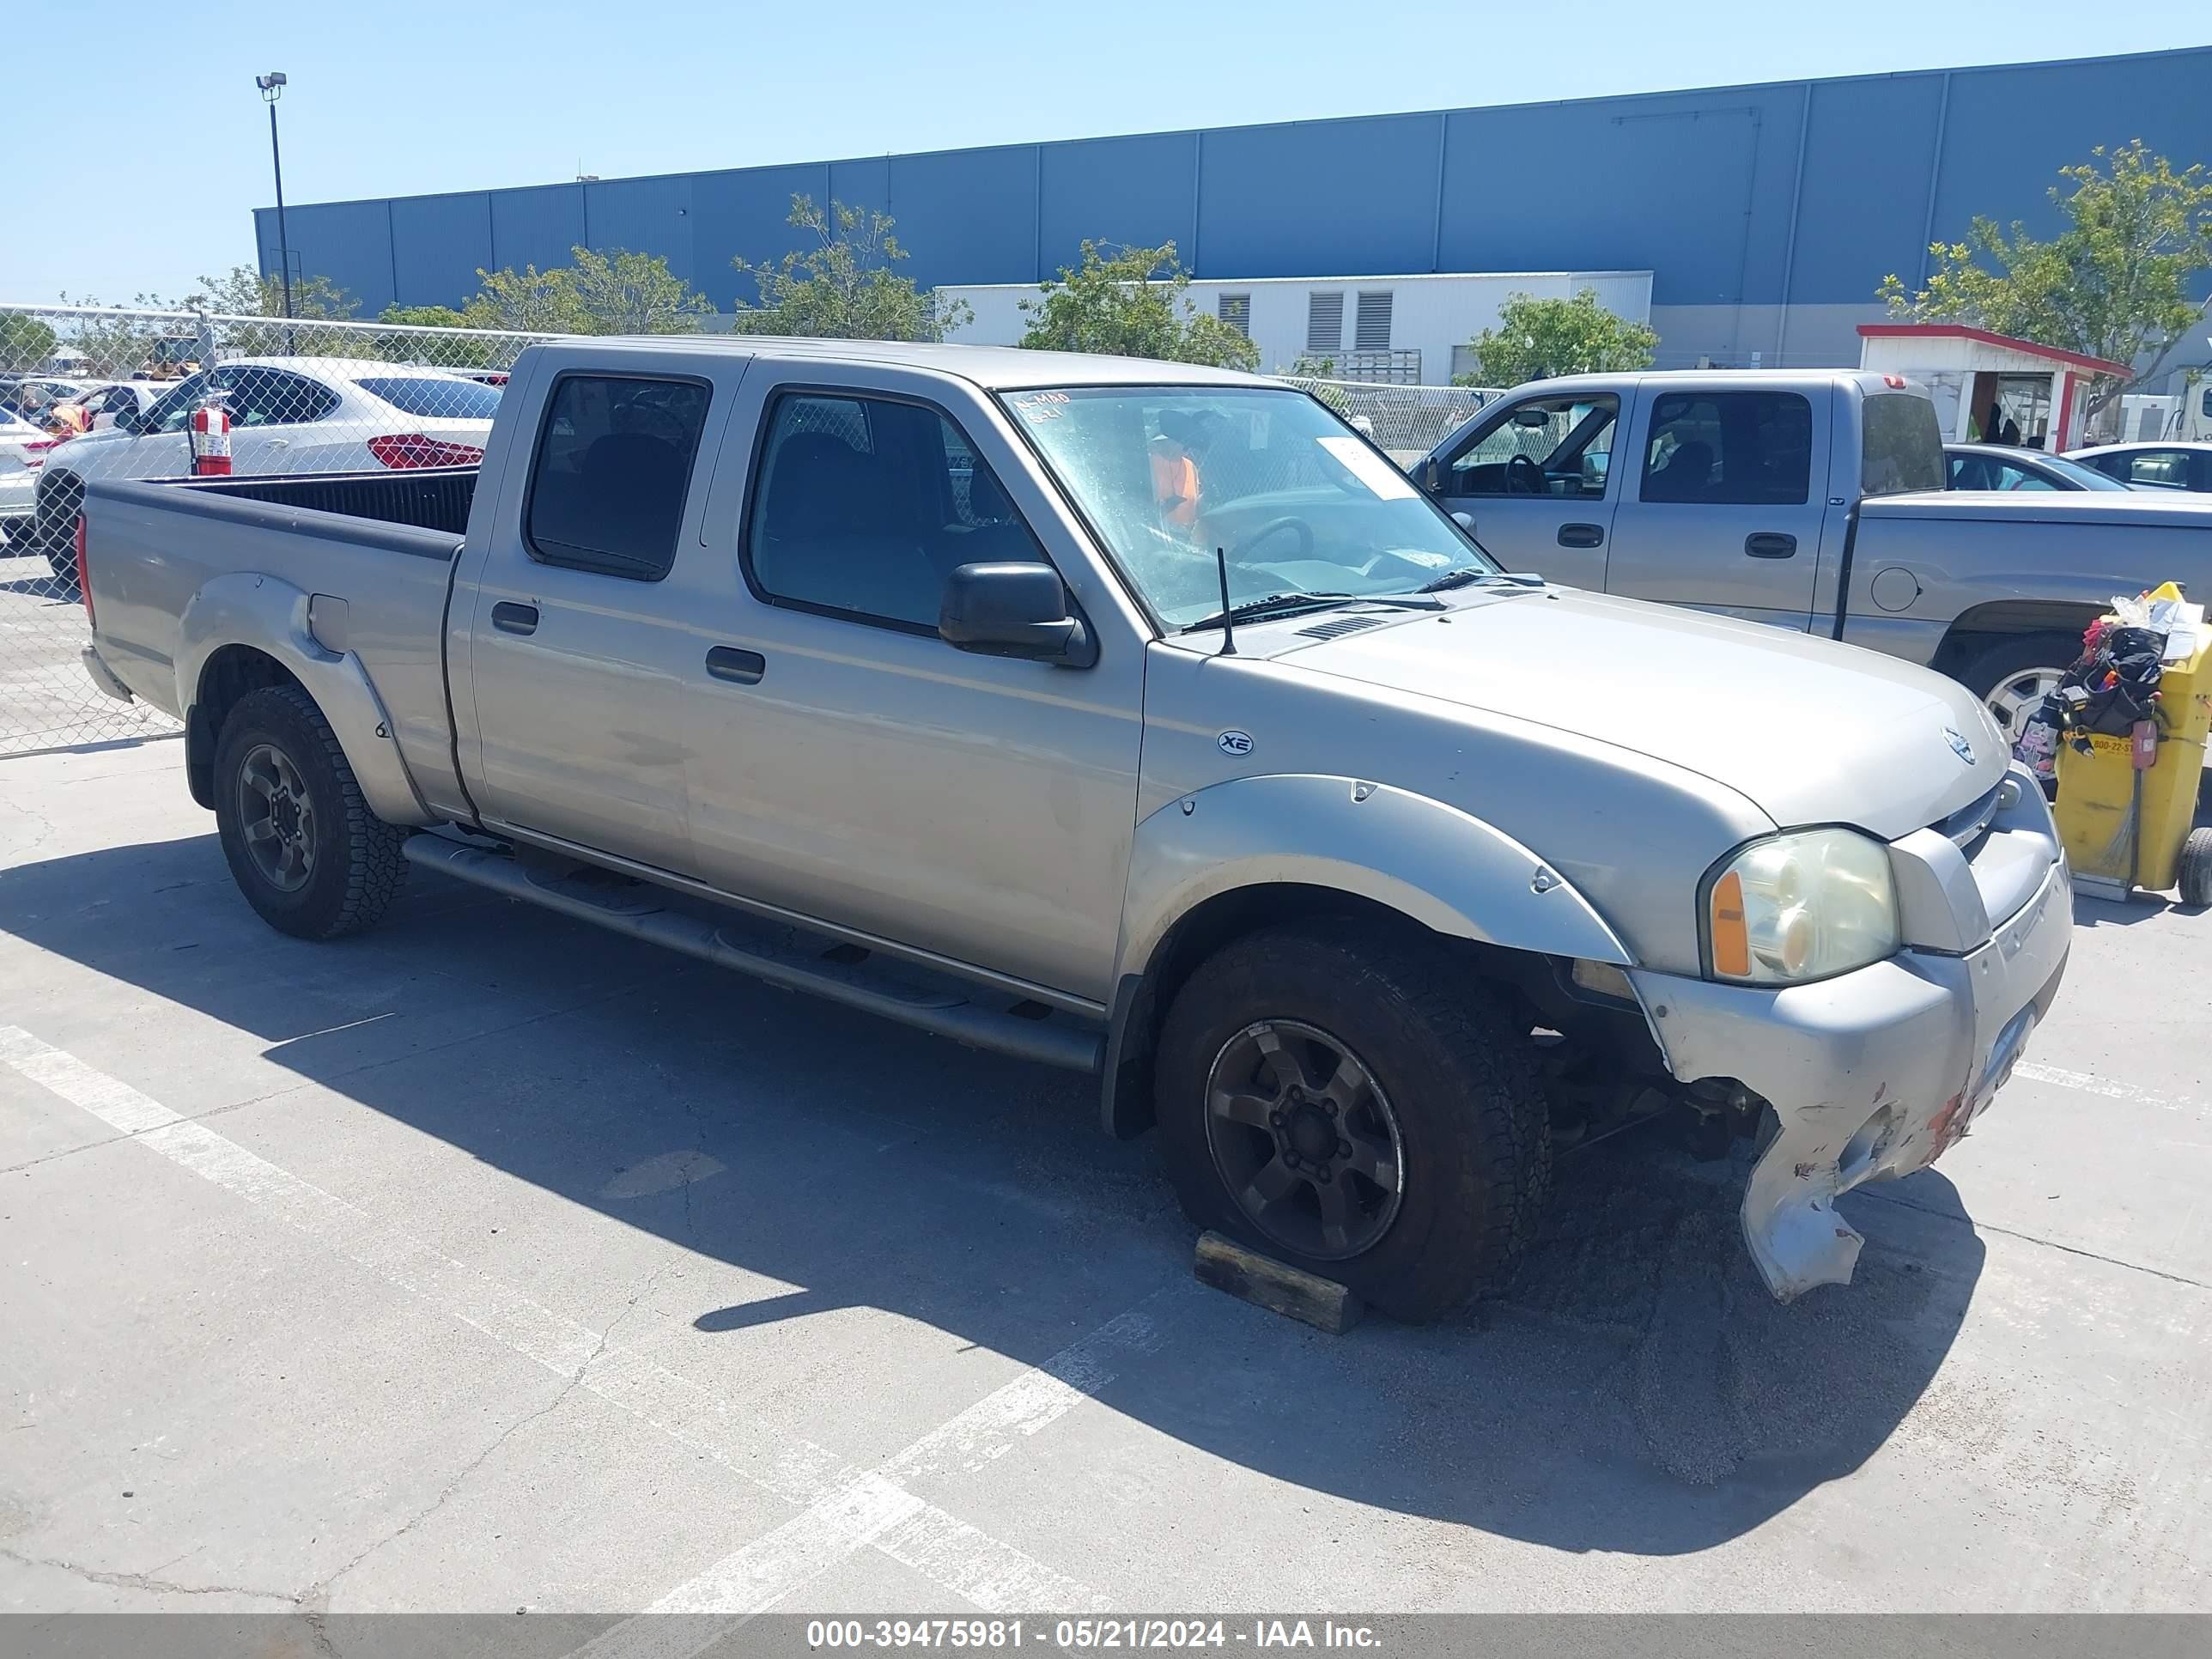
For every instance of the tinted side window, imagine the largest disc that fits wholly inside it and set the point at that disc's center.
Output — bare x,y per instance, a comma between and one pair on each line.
614,462
176,406
266,396
434,397
863,507
1557,447
1904,445
1749,448
2158,467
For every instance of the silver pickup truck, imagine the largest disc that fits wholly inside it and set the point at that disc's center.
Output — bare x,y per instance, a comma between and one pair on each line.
1813,500
1129,717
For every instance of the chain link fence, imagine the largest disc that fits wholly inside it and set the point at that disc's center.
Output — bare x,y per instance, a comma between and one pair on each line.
90,392
1406,421
97,392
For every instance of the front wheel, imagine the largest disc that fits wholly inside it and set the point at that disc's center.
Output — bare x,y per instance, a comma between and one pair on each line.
1352,1104
301,842
2013,675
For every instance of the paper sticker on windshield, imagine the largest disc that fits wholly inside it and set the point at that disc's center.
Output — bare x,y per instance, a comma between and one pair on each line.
1370,469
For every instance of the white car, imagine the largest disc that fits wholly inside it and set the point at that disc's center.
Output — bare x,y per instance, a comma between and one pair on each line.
2176,465
23,450
103,405
288,415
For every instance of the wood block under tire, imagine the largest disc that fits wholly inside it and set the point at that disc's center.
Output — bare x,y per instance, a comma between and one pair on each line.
1266,1283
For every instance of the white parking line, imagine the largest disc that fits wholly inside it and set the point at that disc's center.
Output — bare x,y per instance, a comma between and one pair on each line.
843,1510
877,1508
2089,1084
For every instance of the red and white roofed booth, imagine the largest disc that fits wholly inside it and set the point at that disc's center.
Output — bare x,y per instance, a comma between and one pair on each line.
1989,387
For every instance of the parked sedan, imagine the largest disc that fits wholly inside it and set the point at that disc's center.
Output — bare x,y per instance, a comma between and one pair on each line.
99,410
288,415
2005,466
2175,465
23,450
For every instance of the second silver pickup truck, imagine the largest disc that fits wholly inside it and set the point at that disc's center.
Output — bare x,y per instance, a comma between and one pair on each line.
1132,717
1812,500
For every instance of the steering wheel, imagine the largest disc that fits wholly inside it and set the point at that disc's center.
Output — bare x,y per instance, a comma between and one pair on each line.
1304,533
1520,467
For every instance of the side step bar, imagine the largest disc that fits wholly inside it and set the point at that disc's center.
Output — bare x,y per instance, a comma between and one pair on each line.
641,911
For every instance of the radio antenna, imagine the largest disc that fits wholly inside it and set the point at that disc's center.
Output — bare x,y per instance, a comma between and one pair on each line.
1228,627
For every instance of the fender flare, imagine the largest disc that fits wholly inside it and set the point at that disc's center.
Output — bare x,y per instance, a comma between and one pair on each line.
1429,861
271,616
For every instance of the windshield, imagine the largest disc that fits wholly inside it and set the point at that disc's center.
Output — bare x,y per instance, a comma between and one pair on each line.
1301,503
2088,476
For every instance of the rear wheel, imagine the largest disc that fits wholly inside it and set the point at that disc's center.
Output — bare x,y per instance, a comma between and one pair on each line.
53,526
1350,1103
2013,675
2196,867
301,842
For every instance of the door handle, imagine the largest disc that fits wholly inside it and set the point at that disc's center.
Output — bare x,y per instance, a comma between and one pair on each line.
1581,534
511,618
726,662
1769,544
278,443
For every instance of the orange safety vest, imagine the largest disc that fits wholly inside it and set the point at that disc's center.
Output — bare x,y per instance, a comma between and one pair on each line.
1175,487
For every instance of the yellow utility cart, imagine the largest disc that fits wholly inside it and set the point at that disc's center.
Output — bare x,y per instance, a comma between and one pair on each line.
2127,828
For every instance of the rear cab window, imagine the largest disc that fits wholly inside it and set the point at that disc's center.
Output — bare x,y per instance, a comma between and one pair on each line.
1902,445
1731,448
612,470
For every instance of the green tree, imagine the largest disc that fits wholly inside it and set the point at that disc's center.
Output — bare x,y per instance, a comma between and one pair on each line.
2113,284
1132,304
533,300
844,288
1535,339
25,342
120,344
246,293
440,339
617,292
626,293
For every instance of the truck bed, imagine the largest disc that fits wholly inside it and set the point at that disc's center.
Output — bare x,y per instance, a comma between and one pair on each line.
156,556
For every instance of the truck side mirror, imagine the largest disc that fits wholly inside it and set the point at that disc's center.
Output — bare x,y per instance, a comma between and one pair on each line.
1432,477
1014,610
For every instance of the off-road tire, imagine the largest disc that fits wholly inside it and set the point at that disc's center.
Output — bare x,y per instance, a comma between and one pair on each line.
2197,868
357,867
1471,1118
52,528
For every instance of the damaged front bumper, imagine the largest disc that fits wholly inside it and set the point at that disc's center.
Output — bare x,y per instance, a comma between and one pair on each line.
1871,1074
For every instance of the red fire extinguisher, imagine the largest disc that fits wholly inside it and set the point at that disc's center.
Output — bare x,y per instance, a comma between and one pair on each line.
210,437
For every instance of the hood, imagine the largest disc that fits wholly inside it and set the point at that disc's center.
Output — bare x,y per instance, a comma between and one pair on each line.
1810,731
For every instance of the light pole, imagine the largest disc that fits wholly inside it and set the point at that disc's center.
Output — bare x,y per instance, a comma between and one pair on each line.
272,88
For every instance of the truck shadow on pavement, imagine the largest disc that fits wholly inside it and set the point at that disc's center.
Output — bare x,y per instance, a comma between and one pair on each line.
1633,1389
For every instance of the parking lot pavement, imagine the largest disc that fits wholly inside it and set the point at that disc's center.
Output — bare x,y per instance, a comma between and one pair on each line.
46,701
490,1261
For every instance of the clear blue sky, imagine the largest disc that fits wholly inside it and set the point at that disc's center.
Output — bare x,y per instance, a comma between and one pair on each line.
501,93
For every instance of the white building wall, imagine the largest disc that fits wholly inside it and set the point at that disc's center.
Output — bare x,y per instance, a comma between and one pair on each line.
1429,314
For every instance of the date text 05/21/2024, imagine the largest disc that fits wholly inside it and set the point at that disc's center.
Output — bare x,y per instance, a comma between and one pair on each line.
992,1634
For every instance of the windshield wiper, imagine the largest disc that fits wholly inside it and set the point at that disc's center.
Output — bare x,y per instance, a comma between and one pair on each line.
1465,577
1286,604
1275,605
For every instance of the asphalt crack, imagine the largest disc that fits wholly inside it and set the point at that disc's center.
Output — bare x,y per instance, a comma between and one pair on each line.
142,1581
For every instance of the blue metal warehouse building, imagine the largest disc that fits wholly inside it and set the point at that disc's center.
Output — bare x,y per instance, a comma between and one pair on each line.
1765,214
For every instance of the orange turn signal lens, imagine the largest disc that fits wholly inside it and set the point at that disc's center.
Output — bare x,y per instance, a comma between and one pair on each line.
1731,940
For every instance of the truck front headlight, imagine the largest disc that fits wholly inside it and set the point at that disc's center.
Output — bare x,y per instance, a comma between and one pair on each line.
1808,905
